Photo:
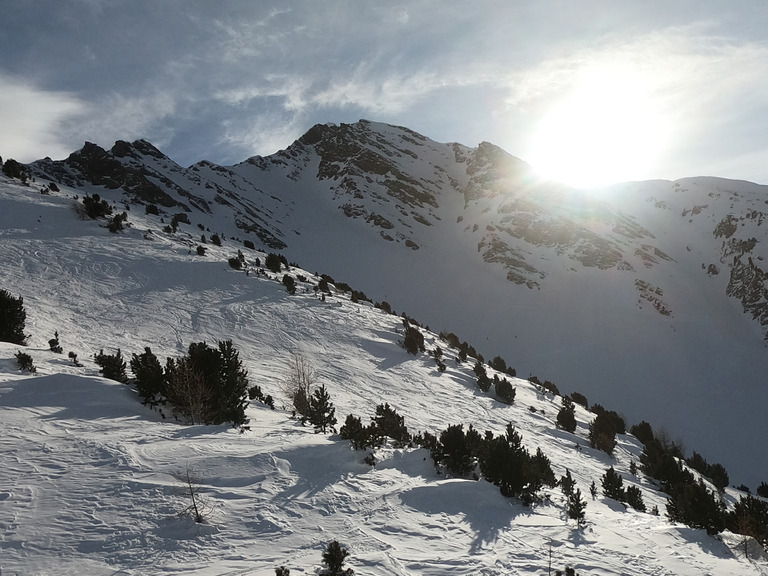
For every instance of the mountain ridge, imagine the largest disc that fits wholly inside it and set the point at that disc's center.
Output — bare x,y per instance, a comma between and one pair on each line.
620,296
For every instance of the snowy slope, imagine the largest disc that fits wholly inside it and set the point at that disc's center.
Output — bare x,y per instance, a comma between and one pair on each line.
85,481
626,295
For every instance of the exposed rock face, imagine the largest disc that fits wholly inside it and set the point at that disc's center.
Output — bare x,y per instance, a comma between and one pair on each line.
411,191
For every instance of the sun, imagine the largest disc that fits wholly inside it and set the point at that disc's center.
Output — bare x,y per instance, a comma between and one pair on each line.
606,129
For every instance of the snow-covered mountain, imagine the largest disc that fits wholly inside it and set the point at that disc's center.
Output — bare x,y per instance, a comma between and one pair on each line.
648,297
86,482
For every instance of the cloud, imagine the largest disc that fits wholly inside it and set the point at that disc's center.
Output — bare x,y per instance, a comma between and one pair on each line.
117,116
32,119
702,86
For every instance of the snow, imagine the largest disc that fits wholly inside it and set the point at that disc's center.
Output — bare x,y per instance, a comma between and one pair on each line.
86,476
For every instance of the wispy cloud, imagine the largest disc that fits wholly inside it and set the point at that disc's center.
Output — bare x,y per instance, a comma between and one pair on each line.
30,116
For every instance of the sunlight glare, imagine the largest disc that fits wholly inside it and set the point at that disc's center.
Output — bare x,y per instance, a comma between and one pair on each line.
605,130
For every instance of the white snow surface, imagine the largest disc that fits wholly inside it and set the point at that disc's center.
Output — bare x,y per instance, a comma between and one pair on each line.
86,482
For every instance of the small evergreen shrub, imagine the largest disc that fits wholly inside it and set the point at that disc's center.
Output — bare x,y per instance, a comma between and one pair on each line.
152,209
95,207
209,385
25,362
289,283
456,450
413,341
200,250
566,417
235,263
388,422
762,490
322,414
115,224
567,483
216,240
634,497
272,262
602,434
354,431
249,244
112,366
505,392
54,344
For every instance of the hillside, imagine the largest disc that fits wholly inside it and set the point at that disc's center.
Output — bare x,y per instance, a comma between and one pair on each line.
647,297
86,483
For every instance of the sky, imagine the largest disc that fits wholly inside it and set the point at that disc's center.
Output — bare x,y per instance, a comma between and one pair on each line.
589,92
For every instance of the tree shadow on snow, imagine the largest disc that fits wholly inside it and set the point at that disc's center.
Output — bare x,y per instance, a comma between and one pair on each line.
480,503
76,397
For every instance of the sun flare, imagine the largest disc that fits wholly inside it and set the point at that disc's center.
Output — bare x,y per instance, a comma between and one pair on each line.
605,130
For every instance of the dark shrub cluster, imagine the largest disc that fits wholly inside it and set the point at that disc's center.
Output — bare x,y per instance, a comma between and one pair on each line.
54,343
613,487
505,392
508,464
579,399
115,224
206,386
413,340
255,393
289,283
24,361
13,318
111,366
387,423
95,207
715,472
502,460
566,417
602,433
696,506
274,262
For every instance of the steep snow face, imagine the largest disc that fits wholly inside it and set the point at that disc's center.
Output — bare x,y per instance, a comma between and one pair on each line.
86,481
649,298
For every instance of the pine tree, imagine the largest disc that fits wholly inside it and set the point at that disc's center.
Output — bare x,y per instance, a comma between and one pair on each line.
566,417
602,433
150,378
456,453
634,497
233,381
112,366
576,507
388,422
334,557
322,414
504,390
694,505
13,317
414,340
567,483
613,485
354,431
